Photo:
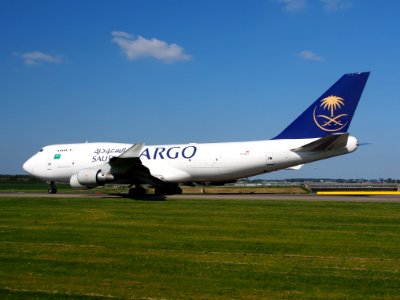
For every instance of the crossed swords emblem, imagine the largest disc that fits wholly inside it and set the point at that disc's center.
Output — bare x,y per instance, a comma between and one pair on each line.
334,120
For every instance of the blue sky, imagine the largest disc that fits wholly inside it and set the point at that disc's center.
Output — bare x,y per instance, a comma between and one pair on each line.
195,71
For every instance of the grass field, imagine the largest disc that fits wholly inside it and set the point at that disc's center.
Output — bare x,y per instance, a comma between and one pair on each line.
198,249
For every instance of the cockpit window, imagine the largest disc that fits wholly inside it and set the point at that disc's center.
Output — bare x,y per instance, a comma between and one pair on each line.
41,150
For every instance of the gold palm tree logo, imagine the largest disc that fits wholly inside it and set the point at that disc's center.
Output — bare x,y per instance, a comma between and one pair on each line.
332,103
332,122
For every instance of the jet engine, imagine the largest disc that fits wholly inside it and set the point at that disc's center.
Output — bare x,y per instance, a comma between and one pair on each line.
90,178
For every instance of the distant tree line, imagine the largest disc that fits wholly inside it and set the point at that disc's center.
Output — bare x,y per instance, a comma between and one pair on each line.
338,180
18,179
29,179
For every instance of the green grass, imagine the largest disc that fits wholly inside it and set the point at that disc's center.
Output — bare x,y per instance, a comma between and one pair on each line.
41,187
198,249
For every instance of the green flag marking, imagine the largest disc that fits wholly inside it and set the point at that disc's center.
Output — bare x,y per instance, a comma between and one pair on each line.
57,156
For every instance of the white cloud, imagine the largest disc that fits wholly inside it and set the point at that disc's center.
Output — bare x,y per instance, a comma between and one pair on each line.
135,47
35,57
329,5
293,5
122,34
309,55
336,5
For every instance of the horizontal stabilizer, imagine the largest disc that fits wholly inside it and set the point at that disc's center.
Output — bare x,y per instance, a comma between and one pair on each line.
329,142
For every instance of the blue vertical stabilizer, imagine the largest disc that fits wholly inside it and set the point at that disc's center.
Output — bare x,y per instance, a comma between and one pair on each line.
332,112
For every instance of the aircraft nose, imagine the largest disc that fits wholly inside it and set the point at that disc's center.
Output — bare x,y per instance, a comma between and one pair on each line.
28,166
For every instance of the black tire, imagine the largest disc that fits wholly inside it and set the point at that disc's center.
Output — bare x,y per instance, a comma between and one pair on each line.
52,190
171,189
137,192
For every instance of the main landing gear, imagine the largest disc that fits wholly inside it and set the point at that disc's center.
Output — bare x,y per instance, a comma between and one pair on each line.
166,189
52,188
137,191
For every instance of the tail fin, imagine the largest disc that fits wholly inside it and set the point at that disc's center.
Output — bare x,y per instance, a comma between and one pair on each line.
330,113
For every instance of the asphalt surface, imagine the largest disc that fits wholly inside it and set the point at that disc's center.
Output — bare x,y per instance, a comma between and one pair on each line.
280,197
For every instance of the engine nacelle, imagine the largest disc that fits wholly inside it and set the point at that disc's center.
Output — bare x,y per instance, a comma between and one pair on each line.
73,181
90,178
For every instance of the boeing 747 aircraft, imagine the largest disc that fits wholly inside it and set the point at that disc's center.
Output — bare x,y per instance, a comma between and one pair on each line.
320,132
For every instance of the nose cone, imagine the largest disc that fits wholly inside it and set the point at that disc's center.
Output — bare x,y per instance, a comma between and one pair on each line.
28,166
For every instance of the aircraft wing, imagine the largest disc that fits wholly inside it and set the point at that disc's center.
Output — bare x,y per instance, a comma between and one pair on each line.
329,142
298,167
129,167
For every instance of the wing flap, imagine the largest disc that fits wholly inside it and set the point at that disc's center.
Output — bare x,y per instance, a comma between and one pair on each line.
129,166
127,160
133,151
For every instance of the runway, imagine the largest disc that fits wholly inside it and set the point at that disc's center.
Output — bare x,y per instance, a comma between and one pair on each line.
294,197
278,197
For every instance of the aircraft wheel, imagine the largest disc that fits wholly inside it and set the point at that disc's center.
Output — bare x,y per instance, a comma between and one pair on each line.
168,190
178,191
137,192
52,190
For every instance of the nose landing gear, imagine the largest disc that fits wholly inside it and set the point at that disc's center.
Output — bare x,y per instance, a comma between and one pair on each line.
52,188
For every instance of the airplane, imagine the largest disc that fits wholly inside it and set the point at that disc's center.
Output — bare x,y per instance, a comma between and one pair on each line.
320,132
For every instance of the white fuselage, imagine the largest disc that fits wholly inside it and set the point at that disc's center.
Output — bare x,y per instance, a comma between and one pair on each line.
213,162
